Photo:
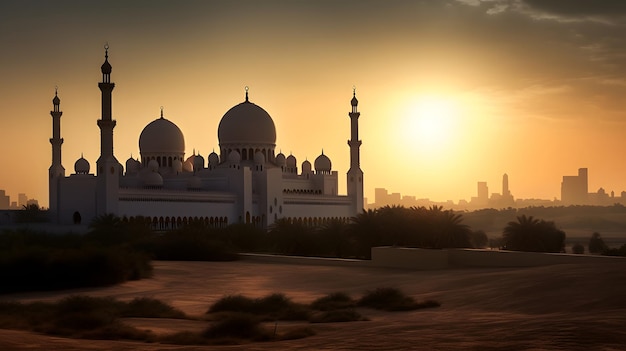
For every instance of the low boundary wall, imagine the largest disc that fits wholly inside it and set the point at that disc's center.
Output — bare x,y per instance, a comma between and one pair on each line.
424,259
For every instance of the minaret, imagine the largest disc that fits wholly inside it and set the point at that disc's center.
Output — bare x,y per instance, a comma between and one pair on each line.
56,170
108,168
355,174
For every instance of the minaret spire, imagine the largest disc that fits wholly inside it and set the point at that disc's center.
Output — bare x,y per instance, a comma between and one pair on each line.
56,139
108,168
56,170
355,174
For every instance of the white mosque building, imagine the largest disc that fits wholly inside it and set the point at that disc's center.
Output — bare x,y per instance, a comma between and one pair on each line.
245,183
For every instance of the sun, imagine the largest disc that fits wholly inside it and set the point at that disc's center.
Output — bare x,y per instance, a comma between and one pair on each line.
430,123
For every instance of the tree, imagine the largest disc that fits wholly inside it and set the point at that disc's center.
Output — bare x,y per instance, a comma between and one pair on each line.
534,235
31,214
334,238
366,232
597,244
479,239
449,231
578,249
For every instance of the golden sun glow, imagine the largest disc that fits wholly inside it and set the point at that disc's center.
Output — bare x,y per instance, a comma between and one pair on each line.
430,124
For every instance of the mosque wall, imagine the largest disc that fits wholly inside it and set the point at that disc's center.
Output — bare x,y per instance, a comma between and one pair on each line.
317,207
77,193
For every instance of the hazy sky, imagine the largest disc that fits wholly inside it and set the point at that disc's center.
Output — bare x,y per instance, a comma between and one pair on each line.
451,92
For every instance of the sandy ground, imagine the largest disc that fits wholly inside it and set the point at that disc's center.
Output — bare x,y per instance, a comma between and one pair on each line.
562,307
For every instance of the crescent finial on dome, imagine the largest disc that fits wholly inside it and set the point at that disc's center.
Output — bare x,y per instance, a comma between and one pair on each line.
247,93
161,111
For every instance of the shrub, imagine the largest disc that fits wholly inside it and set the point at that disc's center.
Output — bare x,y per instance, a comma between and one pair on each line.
237,325
339,315
578,249
150,308
392,299
597,244
233,303
82,316
334,301
621,251
187,246
272,307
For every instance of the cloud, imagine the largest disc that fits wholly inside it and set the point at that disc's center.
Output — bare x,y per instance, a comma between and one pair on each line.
612,12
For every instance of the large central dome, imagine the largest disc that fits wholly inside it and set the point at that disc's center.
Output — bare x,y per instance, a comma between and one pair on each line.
247,123
161,136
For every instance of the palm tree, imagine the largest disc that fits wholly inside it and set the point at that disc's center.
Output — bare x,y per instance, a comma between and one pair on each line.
531,234
105,223
450,232
291,238
333,236
366,232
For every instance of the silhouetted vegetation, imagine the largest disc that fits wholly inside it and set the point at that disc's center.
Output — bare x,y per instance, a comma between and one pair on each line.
410,227
36,261
593,218
578,249
333,301
621,251
392,299
31,214
534,235
85,317
597,244
272,307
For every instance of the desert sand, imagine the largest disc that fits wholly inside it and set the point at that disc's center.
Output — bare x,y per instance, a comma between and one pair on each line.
560,307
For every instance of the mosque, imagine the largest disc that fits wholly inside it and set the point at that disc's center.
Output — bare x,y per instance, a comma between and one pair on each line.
245,183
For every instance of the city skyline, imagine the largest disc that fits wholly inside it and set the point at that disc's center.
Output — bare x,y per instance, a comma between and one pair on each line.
451,91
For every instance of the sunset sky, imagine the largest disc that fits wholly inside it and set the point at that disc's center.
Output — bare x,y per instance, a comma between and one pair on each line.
451,92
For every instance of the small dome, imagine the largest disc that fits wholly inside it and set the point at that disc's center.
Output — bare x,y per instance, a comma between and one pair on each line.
354,101
153,166
152,179
188,165
132,165
259,157
198,162
234,157
194,182
322,163
247,123
161,136
291,161
56,99
306,166
214,159
177,166
81,166
280,159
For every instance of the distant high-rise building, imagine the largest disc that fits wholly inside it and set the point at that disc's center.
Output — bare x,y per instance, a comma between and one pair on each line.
22,199
483,191
574,189
505,185
4,200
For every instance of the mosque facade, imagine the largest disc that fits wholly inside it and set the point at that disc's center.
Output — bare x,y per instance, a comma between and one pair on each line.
247,182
